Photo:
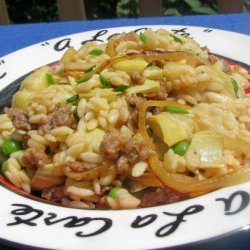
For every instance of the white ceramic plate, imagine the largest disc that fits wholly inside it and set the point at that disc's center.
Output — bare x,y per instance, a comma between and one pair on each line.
33,223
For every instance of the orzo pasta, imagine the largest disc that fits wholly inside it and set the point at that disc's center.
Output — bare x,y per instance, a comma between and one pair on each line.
142,120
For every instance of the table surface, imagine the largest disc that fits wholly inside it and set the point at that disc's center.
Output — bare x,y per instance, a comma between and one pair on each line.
14,37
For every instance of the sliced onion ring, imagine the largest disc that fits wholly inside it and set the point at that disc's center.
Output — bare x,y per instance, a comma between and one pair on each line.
180,182
186,184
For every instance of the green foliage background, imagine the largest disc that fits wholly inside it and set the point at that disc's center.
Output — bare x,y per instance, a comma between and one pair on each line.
23,11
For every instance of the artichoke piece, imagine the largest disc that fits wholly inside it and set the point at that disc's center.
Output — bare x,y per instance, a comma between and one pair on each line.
147,87
129,65
21,99
205,151
167,129
37,81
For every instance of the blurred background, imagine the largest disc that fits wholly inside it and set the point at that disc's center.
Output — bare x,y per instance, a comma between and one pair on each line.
23,11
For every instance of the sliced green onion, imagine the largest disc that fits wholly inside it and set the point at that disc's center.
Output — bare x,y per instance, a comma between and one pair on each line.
113,192
121,88
84,79
143,38
235,86
154,67
50,78
96,52
176,110
89,69
104,81
73,99
180,148
176,39
76,117
4,166
11,146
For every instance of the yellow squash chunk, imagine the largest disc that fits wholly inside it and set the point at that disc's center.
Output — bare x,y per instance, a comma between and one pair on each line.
167,129
21,99
37,81
147,87
128,66
205,150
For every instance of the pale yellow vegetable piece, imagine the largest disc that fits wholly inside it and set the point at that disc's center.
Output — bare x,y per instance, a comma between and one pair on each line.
68,55
167,129
227,86
147,87
21,99
108,94
128,66
37,81
205,151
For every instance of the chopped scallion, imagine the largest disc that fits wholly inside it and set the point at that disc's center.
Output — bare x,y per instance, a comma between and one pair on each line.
176,110
73,99
96,52
235,86
143,38
104,81
84,79
176,39
76,117
121,88
50,78
89,69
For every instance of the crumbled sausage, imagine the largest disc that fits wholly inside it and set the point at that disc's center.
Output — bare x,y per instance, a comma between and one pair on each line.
19,118
61,115
161,196
55,194
35,157
137,78
78,166
124,150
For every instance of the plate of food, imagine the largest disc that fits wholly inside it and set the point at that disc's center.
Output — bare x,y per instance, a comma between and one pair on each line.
138,135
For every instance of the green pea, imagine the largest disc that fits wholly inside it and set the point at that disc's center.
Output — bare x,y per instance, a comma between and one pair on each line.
10,146
180,148
96,52
113,192
154,67
4,166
